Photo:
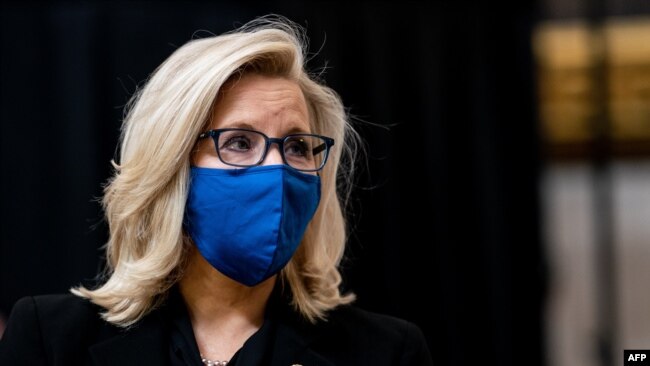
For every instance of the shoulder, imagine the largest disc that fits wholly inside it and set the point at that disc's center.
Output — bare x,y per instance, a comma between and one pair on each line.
58,304
39,325
56,312
369,333
369,323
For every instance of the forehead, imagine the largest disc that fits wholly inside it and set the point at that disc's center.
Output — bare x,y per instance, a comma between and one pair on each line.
266,103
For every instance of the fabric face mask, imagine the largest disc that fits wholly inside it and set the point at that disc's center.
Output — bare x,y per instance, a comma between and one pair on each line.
247,223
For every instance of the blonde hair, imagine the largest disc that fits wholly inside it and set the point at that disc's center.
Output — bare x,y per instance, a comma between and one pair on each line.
144,201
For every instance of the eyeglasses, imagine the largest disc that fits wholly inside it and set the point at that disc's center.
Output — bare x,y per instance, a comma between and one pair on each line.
245,148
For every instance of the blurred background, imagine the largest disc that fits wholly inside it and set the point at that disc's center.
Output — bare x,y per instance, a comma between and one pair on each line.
504,205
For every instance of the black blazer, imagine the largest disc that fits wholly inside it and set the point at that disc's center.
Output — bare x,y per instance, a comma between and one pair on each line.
67,330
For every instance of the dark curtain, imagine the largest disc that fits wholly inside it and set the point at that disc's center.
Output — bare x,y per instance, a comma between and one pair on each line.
445,217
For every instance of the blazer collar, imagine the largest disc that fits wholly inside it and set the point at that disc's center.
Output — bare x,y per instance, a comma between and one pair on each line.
294,339
146,343
292,348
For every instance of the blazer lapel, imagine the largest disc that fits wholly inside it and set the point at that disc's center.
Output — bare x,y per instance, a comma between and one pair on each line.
292,346
145,344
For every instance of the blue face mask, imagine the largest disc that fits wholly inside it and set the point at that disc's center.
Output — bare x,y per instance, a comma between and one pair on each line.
247,223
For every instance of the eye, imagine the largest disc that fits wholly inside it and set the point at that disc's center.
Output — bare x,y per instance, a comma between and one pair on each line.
237,143
297,147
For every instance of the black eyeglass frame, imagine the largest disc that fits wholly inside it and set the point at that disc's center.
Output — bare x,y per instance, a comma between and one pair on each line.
329,142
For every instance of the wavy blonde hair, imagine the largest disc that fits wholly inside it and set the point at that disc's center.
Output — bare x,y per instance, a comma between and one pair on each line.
144,201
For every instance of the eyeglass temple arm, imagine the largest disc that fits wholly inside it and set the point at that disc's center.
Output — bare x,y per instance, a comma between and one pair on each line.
318,149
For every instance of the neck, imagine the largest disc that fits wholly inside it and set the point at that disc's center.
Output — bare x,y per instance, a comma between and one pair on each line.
223,312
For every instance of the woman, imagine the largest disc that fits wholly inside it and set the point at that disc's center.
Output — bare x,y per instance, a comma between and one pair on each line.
226,229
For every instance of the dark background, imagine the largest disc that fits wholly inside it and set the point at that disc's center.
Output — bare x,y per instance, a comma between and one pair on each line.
446,217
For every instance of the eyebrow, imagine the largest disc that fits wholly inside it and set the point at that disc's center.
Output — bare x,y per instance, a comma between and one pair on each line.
293,130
